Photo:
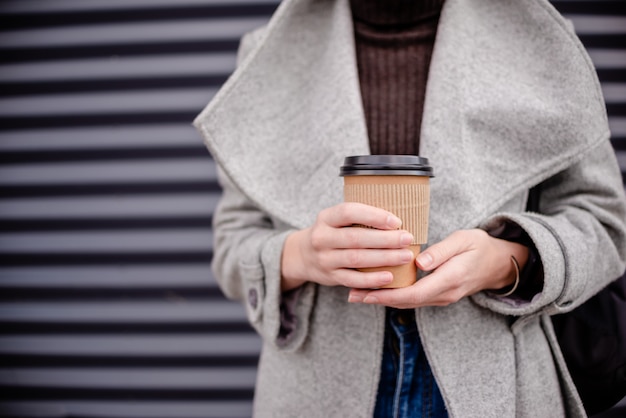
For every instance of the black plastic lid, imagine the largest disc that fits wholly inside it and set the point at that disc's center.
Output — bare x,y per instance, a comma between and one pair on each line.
386,165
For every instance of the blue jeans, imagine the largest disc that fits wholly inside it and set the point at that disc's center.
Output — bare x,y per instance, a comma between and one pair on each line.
407,388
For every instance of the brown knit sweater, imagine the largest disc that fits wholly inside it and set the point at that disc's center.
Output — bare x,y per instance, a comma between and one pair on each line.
394,43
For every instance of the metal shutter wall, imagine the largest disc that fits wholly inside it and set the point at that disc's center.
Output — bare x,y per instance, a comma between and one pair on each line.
107,303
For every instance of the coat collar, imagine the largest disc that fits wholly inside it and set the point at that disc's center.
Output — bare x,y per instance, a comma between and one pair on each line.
283,122
512,99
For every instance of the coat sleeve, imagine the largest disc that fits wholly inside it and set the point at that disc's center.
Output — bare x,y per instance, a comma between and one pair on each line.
247,252
246,263
579,233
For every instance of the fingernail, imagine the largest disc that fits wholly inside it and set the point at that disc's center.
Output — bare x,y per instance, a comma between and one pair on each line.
425,260
370,299
354,299
406,239
386,277
394,222
407,256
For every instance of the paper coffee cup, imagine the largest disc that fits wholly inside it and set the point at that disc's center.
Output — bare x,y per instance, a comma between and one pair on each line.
399,184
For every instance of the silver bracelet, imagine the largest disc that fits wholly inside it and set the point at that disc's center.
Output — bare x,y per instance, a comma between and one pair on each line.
514,288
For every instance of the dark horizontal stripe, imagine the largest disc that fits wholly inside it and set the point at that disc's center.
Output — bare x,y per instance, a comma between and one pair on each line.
43,393
23,88
104,224
608,41
9,55
73,361
126,328
30,191
82,155
120,154
607,75
97,293
59,121
11,21
619,143
612,75
39,122
29,54
591,7
616,109
85,259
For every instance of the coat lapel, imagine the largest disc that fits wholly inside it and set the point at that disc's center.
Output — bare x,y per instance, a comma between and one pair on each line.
507,106
282,124
511,100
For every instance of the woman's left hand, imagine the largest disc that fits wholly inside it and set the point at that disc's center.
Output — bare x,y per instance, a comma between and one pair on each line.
464,263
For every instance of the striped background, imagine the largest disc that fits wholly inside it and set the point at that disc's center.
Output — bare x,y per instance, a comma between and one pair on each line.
107,304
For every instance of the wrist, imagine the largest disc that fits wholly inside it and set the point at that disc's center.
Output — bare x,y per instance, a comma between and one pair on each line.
514,257
291,263
531,268
509,290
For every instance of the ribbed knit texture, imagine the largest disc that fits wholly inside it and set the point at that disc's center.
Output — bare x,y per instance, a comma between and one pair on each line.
394,43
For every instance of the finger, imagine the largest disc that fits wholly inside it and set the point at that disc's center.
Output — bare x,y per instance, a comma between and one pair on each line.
363,280
367,258
357,237
438,289
395,298
401,298
351,213
437,254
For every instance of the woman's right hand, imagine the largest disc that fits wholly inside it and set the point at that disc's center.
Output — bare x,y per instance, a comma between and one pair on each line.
329,251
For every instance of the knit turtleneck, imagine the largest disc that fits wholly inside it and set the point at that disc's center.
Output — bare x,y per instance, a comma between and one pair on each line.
394,43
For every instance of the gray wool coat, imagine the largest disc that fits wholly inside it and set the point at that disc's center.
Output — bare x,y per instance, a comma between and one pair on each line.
512,101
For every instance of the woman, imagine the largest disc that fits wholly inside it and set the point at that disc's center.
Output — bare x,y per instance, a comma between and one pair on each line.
511,101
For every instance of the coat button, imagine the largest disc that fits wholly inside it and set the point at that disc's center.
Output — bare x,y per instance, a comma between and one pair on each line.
253,298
